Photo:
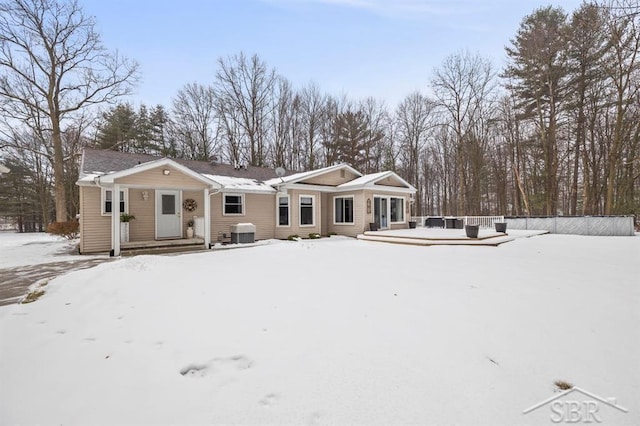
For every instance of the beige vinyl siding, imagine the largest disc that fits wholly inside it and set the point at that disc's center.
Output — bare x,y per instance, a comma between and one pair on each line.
368,218
259,209
294,206
95,229
326,216
155,178
198,196
359,209
143,227
334,178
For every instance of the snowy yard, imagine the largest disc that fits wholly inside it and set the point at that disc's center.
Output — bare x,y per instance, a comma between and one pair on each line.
34,248
333,331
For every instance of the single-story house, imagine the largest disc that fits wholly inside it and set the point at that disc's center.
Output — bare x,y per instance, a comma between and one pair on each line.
166,194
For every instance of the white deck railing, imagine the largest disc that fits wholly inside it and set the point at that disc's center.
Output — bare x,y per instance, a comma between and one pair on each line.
483,221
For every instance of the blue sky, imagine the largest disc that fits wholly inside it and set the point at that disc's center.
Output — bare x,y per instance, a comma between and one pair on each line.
380,48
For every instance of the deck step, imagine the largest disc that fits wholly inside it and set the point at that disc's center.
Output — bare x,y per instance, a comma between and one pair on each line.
162,250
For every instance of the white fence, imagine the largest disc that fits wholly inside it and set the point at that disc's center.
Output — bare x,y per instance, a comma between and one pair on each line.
577,225
482,221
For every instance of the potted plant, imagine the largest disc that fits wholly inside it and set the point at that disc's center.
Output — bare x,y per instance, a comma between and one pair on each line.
190,228
501,227
125,218
472,230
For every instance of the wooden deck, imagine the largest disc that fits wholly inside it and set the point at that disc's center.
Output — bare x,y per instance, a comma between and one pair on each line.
450,237
162,246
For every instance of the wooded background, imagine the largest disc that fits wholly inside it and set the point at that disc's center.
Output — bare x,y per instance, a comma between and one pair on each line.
555,131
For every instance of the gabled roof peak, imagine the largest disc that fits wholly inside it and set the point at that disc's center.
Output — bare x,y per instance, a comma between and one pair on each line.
297,177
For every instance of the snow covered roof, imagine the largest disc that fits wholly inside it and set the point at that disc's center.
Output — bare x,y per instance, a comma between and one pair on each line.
241,184
365,179
95,161
109,165
372,178
297,177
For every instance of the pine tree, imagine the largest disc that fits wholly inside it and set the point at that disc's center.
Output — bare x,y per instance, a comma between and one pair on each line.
351,138
538,70
118,130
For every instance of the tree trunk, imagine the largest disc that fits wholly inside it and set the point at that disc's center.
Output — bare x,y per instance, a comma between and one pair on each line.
58,172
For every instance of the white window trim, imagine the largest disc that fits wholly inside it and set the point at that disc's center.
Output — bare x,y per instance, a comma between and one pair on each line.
278,211
103,199
388,212
404,206
234,194
353,213
313,210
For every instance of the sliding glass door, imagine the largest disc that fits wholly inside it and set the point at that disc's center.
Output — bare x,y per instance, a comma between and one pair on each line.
388,210
380,212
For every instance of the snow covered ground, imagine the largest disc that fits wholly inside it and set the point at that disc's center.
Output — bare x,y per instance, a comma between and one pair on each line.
34,248
331,331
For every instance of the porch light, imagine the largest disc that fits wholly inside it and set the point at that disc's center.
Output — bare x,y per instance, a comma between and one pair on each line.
145,195
166,172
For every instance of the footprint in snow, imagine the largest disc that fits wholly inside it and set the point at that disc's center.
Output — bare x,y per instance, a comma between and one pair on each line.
217,366
269,400
195,370
315,418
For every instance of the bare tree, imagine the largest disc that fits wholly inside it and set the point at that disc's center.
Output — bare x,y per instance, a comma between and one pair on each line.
53,64
464,86
312,109
245,87
194,109
282,124
377,120
414,120
622,67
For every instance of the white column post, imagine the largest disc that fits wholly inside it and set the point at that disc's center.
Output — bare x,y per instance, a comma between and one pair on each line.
115,219
207,218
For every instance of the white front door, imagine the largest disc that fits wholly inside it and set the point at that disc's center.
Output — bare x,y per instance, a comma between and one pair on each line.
168,214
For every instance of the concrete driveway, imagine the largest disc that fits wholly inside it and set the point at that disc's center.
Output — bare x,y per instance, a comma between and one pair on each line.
15,282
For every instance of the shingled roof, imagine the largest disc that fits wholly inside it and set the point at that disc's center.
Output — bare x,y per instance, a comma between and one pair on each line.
96,161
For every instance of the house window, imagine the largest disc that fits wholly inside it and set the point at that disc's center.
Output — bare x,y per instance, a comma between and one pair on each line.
107,201
397,209
283,210
233,204
307,208
343,210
